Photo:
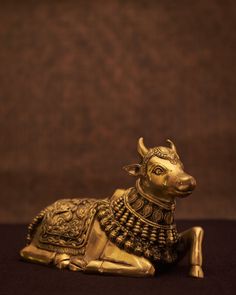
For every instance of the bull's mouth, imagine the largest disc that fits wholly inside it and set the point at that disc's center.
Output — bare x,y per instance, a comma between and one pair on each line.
183,192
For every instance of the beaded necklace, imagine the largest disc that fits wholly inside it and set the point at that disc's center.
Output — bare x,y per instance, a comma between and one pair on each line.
140,226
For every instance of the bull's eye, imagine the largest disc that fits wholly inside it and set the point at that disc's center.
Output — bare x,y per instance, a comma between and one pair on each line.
159,170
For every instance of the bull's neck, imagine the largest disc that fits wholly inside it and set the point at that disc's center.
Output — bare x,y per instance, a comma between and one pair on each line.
158,200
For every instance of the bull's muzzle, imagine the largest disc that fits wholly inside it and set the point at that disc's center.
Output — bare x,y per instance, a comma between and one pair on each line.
186,184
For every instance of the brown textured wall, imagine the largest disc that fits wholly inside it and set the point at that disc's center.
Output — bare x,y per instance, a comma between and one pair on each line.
80,81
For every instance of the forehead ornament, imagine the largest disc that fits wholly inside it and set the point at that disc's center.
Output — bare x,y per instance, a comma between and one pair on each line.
158,152
169,154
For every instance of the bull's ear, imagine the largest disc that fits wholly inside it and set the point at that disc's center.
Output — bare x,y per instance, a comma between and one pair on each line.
133,169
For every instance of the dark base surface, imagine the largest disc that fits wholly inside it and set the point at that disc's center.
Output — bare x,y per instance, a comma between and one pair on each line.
19,277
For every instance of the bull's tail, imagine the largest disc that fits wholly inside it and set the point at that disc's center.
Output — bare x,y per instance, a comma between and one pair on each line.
33,225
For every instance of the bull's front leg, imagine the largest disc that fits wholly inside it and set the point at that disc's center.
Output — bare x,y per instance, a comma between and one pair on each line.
117,261
191,243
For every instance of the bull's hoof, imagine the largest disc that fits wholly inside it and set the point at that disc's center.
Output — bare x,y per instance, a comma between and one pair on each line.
77,264
62,261
196,272
74,267
63,264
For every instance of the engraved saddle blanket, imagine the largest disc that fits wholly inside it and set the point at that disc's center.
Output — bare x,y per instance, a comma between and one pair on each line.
66,225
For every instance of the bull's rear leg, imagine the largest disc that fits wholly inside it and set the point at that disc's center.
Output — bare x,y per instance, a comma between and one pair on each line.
33,254
191,240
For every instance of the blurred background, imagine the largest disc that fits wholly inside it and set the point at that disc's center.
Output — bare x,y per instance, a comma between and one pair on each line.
81,81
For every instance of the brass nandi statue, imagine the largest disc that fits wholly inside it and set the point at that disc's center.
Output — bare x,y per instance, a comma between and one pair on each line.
132,233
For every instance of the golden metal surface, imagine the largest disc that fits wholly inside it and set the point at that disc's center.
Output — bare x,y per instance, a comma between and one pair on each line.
133,233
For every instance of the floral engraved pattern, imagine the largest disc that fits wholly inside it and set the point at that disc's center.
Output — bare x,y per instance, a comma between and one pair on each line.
66,225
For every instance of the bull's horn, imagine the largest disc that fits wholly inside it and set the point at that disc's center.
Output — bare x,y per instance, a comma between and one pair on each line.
172,146
141,147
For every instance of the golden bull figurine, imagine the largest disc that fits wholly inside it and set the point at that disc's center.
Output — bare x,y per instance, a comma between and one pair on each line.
133,233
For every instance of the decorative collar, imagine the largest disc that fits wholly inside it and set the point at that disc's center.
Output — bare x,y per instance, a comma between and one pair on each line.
150,213
140,226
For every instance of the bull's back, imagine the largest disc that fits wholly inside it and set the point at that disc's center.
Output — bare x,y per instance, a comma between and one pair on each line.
70,226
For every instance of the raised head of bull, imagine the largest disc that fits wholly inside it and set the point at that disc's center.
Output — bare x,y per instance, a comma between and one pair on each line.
161,172
132,233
